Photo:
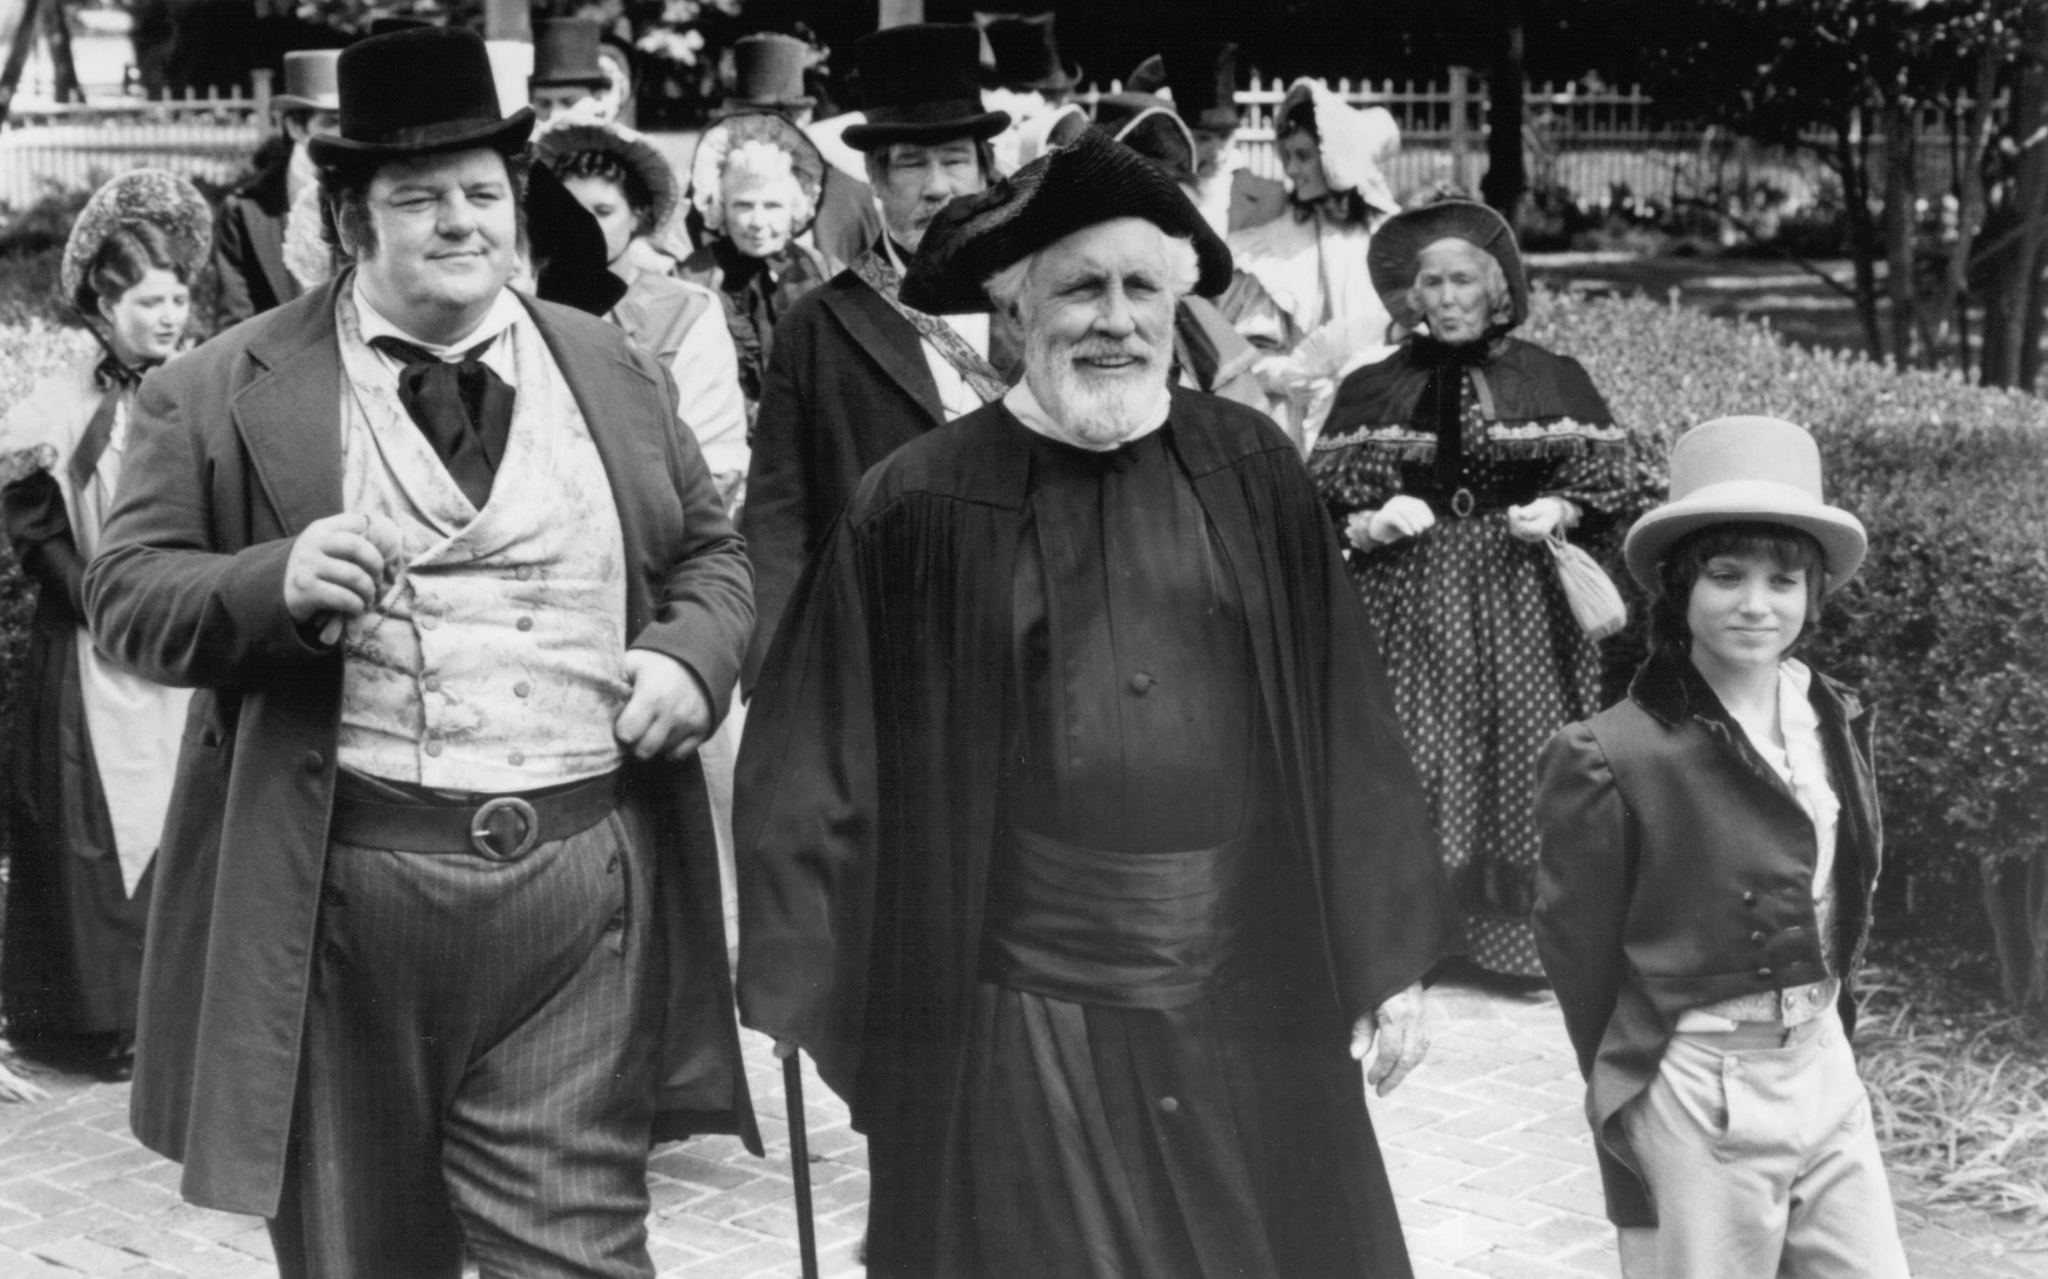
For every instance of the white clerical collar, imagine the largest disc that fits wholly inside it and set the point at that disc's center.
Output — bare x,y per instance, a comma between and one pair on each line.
504,313
1026,408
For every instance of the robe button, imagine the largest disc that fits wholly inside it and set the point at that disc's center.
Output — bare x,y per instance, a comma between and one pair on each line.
333,896
525,623
314,761
1168,1105
1141,684
521,689
1757,938
1764,974
1749,899
616,922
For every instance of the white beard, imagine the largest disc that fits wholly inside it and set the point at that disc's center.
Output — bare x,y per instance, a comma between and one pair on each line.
1094,411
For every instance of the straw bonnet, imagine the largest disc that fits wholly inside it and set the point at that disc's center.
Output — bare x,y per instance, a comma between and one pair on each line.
139,195
555,143
1089,181
707,166
1746,470
1396,249
418,91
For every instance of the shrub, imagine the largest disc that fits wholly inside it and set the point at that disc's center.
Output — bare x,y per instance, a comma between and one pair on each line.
1946,628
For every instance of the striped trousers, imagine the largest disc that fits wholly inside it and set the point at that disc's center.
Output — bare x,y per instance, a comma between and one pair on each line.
476,1075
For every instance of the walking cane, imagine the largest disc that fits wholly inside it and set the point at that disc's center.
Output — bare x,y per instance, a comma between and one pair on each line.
800,1162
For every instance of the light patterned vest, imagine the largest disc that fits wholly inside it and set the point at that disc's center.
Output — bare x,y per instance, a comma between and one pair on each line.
495,661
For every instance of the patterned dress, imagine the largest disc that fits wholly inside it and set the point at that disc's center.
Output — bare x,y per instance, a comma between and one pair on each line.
1485,657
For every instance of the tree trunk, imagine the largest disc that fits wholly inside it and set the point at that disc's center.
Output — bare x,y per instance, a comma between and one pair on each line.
2016,903
1507,178
1850,162
2012,272
1951,315
1901,183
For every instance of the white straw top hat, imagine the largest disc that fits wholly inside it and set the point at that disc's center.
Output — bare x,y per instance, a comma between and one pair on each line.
1746,470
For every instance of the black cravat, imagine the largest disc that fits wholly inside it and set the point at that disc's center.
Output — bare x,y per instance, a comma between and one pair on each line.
116,382
463,408
1442,405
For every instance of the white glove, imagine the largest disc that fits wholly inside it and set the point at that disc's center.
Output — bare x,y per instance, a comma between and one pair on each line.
1402,516
1534,522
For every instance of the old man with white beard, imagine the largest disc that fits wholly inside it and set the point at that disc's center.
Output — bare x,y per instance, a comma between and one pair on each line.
1078,841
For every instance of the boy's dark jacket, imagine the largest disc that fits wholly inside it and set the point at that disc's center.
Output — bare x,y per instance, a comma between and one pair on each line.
1677,871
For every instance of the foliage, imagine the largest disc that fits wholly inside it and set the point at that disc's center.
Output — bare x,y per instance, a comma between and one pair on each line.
1837,76
1944,629
1955,1087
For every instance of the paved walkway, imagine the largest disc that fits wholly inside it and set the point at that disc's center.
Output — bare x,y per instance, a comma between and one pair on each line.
1488,1154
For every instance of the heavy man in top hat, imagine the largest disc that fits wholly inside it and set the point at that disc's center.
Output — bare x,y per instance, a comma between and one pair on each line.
855,372
438,950
248,251
1078,837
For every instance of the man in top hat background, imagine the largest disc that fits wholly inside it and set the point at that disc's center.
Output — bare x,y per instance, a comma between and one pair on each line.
1202,77
248,251
854,372
439,951
768,75
568,73
1023,74
1079,837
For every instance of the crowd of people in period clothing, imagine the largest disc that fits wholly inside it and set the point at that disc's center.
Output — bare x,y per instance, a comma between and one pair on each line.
1144,671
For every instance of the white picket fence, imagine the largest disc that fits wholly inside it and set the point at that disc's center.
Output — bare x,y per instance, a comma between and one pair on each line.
72,146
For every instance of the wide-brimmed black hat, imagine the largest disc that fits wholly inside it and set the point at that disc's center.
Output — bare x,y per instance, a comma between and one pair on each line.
1148,126
421,91
565,52
918,83
1089,181
1397,245
569,247
1027,56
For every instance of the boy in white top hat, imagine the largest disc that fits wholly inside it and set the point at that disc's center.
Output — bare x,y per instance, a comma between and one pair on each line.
1710,849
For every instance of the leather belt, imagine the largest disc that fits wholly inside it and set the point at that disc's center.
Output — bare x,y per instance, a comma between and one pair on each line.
501,827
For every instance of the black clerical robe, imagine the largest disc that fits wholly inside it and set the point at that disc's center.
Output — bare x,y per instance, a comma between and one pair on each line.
891,772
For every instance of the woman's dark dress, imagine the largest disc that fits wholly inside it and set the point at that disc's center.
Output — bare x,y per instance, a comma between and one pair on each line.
1486,660
758,292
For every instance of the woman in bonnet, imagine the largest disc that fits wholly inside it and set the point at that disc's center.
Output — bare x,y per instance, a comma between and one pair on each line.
1446,465
95,746
755,182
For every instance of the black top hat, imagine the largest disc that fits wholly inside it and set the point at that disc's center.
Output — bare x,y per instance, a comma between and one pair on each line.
419,91
918,84
565,52
1089,181
1027,56
768,73
1203,80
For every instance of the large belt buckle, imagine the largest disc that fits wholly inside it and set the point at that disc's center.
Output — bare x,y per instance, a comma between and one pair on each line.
483,832
1463,503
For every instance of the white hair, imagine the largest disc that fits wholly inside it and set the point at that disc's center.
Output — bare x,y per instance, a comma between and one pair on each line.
1005,288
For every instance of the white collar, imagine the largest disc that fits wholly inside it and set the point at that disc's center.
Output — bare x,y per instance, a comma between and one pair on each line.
505,312
1024,405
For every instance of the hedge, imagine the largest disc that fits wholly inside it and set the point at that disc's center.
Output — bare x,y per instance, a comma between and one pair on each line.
1946,628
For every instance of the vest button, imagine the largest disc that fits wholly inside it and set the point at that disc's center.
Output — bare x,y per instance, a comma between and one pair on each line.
1141,684
517,758
333,896
314,761
1168,1105
428,621
616,922
433,683
525,623
521,689
433,747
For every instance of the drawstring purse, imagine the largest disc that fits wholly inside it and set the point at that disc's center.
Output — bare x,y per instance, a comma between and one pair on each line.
1595,602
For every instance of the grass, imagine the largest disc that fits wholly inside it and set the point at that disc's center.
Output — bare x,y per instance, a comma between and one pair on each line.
1959,1088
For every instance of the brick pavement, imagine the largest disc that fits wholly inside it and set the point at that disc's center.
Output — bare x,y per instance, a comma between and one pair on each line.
1485,1144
